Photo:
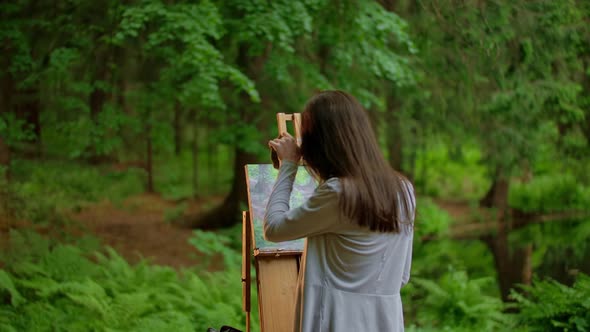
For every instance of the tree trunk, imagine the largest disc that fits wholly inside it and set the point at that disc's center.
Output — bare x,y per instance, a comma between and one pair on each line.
392,121
497,195
228,213
177,129
96,101
125,73
394,135
410,168
149,162
7,87
513,265
586,84
389,5
195,157
5,107
212,166
5,158
28,108
423,184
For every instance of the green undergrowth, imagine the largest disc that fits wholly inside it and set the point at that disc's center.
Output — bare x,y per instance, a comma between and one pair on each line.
46,286
431,220
456,302
446,171
76,285
551,306
177,176
43,190
459,302
550,193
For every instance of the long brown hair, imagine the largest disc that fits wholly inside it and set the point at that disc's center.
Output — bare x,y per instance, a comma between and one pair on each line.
338,141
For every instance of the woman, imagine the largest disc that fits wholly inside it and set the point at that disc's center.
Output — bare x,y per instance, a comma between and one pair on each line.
358,223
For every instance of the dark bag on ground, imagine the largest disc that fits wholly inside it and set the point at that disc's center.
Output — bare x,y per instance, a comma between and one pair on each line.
224,328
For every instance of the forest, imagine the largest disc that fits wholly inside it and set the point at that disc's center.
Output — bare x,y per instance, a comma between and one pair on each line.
125,127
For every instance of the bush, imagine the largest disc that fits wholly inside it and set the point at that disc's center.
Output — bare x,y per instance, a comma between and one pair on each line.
550,193
446,171
547,305
59,287
457,303
431,219
174,177
43,191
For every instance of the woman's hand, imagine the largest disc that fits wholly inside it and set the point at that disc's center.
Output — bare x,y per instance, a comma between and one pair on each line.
286,148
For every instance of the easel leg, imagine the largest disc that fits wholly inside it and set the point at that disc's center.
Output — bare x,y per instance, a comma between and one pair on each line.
246,266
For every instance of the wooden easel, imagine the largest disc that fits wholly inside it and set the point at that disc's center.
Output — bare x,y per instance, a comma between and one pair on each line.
276,269
282,119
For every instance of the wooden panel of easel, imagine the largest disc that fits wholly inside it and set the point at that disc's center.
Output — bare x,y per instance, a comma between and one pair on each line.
277,284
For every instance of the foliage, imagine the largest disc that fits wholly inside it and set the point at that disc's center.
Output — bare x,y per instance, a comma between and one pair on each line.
547,305
474,257
451,171
40,193
13,130
291,49
62,288
550,193
430,219
509,74
432,229
175,180
559,247
212,244
473,91
457,303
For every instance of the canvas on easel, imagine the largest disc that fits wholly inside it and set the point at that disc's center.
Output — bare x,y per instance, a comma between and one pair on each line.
261,179
277,264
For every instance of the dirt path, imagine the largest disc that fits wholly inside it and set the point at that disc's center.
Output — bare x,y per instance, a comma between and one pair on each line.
137,228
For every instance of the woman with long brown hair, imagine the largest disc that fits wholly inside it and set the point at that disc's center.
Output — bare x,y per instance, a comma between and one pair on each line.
358,223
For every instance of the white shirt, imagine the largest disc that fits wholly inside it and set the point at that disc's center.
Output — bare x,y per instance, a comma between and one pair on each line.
350,277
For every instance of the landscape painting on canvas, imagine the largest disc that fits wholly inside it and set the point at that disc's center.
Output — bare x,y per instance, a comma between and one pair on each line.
261,179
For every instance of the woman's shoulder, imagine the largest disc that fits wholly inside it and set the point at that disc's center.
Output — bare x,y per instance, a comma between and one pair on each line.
327,191
332,184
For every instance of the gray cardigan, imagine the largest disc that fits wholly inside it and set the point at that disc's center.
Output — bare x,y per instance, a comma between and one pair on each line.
350,277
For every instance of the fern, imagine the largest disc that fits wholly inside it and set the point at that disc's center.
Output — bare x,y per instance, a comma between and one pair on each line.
550,306
66,262
6,284
24,247
59,288
457,302
164,321
7,317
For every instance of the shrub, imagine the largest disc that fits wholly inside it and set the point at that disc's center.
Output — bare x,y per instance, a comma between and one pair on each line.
59,287
40,192
430,219
550,193
547,305
457,303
